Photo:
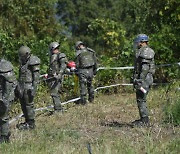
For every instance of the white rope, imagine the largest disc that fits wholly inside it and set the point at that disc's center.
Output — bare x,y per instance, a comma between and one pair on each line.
69,101
164,65
115,85
44,108
115,68
74,99
132,67
98,88
15,118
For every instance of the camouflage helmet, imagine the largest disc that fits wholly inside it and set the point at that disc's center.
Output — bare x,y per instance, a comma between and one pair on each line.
141,38
53,46
78,43
24,52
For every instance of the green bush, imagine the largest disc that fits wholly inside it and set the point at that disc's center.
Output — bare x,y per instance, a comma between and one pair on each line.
172,109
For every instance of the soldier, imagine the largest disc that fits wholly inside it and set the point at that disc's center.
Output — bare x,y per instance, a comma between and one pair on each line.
7,86
143,76
86,64
57,67
28,80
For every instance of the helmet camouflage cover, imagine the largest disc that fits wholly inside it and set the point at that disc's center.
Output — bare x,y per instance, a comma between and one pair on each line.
140,38
24,53
78,43
53,46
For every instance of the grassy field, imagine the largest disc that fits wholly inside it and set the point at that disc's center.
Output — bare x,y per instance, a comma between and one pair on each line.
100,128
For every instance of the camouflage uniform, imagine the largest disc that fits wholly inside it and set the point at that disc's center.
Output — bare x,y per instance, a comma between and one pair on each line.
57,68
7,86
86,65
143,79
28,81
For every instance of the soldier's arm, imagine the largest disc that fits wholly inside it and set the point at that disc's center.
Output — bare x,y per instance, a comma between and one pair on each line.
10,84
35,68
135,74
77,62
144,71
147,59
52,69
63,63
77,58
95,63
36,76
95,59
152,67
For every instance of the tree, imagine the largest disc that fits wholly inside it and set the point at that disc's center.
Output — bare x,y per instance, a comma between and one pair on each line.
28,18
31,23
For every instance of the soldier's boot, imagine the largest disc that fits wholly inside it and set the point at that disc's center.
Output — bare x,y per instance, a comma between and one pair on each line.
90,93
57,105
59,111
83,101
144,121
4,138
28,125
91,98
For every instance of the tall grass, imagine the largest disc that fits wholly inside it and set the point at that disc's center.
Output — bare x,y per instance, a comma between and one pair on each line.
101,127
172,108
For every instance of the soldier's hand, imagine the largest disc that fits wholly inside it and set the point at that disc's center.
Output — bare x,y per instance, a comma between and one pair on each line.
46,76
58,77
137,83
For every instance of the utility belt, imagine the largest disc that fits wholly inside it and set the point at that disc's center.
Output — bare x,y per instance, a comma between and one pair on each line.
87,67
24,85
26,82
138,74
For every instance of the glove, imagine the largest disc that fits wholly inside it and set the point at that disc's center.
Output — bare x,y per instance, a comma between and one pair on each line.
58,77
76,72
137,83
46,76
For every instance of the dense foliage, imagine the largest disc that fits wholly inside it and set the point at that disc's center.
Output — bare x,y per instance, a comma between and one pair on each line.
31,23
172,105
108,26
